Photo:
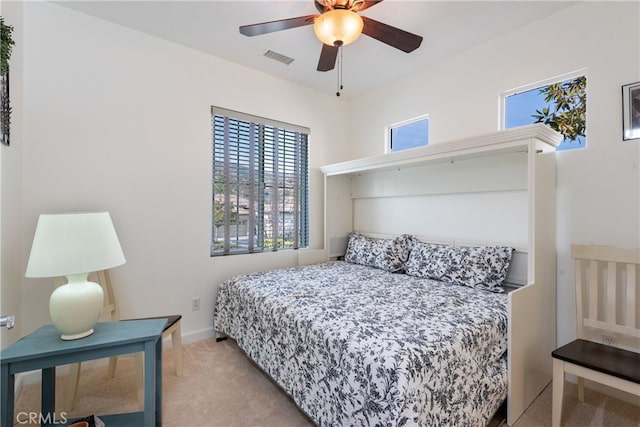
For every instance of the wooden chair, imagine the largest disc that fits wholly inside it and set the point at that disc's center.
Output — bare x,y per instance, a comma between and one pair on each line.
111,312
607,350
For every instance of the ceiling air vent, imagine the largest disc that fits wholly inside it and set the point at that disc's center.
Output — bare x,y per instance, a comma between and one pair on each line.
278,57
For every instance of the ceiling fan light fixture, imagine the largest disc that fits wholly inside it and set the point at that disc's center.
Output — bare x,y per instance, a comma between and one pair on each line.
338,27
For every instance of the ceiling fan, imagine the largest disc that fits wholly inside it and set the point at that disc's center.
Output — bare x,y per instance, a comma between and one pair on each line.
337,25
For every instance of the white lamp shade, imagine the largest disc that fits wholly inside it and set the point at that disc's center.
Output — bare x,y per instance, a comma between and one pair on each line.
338,25
75,243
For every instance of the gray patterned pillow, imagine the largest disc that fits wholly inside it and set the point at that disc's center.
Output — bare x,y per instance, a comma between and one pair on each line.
429,261
386,254
481,267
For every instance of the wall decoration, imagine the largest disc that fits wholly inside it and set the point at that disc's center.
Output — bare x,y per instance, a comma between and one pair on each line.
6,44
631,111
5,109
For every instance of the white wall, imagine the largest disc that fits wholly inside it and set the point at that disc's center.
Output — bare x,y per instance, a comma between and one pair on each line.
598,187
118,120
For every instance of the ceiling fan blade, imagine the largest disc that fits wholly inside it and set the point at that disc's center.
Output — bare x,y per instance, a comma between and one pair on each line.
360,6
400,39
279,25
328,57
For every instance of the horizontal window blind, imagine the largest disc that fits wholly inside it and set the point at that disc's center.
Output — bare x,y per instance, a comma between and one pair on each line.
260,184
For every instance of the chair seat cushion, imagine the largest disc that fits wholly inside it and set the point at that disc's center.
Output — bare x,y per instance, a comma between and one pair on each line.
609,360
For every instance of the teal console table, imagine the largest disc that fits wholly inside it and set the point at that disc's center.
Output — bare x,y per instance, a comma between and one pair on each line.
43,349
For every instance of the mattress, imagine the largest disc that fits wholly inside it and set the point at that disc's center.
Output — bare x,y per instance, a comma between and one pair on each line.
356,345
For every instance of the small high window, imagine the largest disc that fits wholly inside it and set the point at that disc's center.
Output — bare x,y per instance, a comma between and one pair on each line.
408,134
559,103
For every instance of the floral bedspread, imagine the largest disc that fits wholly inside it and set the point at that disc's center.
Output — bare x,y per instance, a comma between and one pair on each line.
354,345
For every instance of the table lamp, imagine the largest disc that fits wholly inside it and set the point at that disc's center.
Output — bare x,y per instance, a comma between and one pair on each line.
74,245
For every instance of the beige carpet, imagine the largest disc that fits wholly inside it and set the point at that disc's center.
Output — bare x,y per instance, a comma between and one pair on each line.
221,387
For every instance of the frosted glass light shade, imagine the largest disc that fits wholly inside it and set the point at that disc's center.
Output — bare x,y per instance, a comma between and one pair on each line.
74,245
338,25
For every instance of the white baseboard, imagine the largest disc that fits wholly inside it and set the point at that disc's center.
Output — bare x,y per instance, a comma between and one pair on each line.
199,335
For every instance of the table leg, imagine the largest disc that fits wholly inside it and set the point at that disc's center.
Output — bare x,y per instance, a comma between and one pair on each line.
150,384
48,395
7,390
158,407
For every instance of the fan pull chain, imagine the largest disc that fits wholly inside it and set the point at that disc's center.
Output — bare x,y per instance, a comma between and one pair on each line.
339,84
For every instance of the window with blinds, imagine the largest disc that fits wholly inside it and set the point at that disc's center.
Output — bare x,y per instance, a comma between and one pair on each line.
260,184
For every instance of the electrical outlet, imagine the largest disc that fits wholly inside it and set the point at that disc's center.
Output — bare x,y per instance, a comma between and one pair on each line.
608,340
195,303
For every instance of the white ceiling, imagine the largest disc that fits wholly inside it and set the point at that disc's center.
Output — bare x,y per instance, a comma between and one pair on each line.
211,26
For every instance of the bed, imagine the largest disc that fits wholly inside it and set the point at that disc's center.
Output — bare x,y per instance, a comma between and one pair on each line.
366,343
357,343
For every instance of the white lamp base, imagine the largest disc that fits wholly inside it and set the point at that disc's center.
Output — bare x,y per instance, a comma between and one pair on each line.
75,307
76,336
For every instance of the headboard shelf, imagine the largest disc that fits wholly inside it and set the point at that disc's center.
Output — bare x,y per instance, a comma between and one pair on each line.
505,141
499,172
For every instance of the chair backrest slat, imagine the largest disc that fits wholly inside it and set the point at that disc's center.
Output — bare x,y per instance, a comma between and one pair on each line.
607,294
111,307
579,297
611,292
593,290
631,296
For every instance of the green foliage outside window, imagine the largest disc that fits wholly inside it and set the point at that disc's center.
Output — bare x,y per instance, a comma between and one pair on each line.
282,243
567,109
6,46
218,213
